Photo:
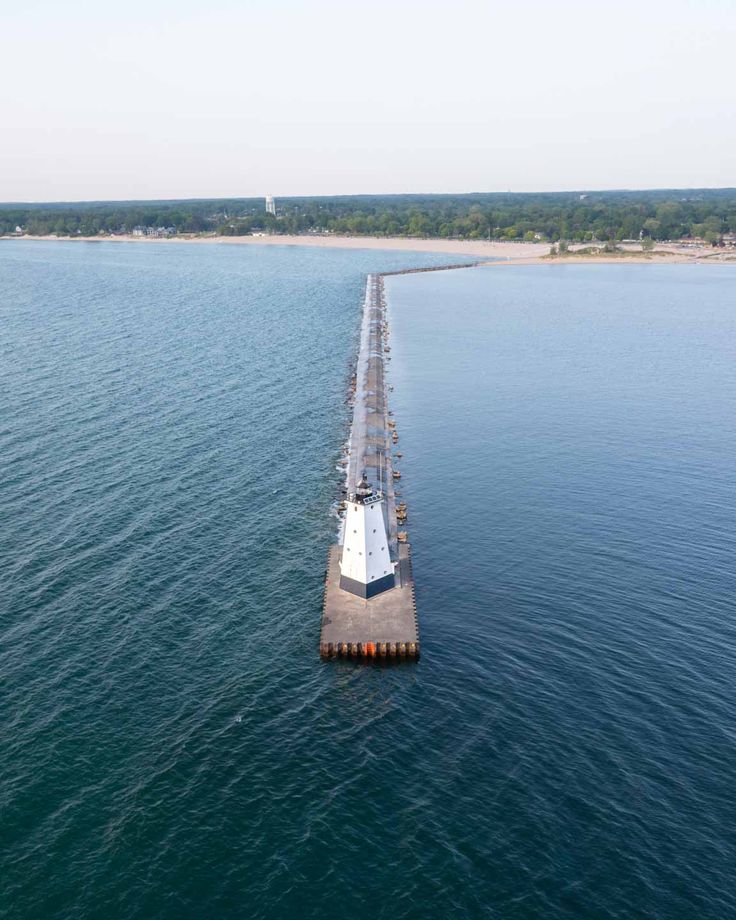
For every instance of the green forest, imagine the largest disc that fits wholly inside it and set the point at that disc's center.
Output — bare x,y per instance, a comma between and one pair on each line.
707,214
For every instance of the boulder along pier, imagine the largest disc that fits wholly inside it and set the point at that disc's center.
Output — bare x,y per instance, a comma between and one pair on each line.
369,609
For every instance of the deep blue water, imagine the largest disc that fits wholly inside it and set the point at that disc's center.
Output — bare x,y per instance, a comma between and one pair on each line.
171,746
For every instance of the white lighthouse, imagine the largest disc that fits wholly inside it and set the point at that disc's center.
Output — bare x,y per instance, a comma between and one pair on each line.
365,568
270,205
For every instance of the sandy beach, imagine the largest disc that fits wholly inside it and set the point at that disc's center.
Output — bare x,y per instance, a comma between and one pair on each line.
461,248
657,257
496,252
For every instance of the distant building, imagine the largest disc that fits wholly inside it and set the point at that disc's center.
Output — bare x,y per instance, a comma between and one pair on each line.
270,205
160,232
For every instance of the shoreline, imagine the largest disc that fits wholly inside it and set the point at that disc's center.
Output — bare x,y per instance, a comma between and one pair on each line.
659,258
495,252
476,248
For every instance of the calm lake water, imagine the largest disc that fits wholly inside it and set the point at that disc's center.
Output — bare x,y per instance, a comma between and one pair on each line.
172,746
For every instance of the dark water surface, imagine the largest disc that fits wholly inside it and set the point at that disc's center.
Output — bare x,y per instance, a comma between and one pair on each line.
170,744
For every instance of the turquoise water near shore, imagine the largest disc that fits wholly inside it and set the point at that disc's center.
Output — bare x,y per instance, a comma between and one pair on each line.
172,746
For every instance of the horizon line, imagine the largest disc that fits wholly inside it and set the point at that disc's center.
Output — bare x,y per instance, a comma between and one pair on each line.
204,198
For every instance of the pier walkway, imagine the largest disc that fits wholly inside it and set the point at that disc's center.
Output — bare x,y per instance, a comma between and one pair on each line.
383,626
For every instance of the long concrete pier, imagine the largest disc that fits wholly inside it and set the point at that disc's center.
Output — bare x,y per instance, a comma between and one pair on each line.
384,626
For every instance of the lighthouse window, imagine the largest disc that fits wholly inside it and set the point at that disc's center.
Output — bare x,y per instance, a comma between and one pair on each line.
370,553
355,531
374,530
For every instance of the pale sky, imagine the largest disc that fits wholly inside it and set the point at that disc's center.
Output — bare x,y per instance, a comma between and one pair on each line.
235,98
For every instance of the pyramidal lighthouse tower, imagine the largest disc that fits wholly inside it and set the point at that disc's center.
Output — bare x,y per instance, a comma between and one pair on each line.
366,568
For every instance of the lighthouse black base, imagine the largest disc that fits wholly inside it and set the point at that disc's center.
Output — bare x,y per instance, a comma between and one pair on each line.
371,589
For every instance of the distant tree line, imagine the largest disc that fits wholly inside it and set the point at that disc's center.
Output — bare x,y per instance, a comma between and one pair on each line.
92,219
575,216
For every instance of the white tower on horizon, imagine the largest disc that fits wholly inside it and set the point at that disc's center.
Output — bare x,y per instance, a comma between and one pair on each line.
365,568
270,205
